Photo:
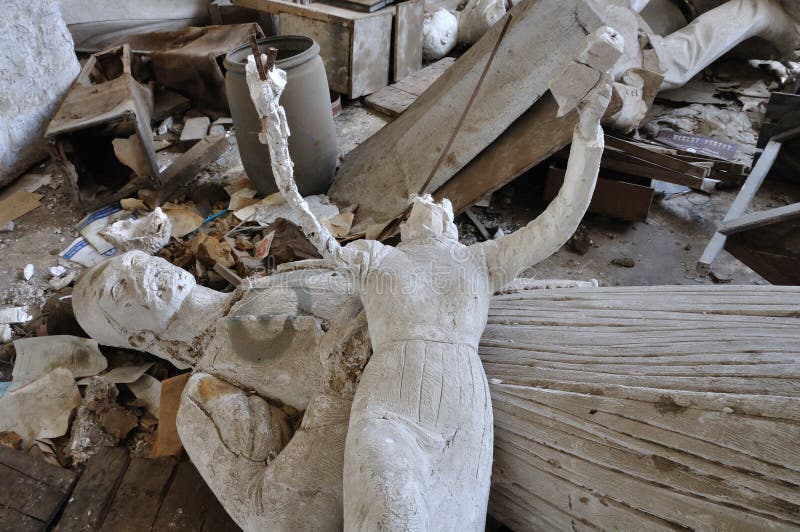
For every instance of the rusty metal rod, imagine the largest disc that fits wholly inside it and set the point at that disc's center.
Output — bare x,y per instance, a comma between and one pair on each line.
257,57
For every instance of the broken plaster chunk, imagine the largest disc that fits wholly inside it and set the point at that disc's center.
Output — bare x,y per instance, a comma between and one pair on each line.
15,315
195,129
57,271
148,234
28,271
40,355
89,433
573,81
147,390
439,34
6,334
42,408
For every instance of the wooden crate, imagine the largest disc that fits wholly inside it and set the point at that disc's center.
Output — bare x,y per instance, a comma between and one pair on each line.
612,197
356,47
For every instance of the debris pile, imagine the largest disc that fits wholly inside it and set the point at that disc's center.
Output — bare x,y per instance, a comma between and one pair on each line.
155,146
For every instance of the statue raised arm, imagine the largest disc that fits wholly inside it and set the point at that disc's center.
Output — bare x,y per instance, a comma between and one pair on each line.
584,83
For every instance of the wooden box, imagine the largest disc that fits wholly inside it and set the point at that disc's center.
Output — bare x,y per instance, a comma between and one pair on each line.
356,47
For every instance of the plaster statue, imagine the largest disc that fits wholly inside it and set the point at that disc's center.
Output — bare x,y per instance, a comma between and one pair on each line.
418,452
277,347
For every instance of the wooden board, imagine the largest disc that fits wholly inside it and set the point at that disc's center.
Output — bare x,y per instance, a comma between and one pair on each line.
645,408
32,491
334,46
407,49
139,496
370,54
380,174
91,499
612,197
190,506
367,6
398,97
772,250
532,138
355,46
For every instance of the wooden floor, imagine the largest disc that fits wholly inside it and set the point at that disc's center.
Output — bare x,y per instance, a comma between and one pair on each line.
113,493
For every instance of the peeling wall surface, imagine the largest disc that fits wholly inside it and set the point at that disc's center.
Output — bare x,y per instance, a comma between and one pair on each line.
37,66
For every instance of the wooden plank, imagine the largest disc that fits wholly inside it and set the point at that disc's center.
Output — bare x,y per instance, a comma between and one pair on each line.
771,250
96,488
58,478
367,6
532,138
14,521
185,168
28,495
743,200
314,10
189,504
334,46
640,152
645,408
381,173
761,219
32,491
396,98
390,101
370,53
139,496
407,50
612,197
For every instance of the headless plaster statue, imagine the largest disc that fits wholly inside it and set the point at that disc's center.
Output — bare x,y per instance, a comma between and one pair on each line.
418,453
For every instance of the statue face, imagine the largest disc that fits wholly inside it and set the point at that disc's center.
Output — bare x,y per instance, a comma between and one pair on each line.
429,219
130,297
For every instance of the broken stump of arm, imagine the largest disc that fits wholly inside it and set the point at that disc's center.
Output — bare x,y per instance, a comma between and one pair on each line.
507,257
266,95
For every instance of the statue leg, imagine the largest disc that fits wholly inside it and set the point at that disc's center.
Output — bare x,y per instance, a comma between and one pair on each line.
687,52
238,443
419,447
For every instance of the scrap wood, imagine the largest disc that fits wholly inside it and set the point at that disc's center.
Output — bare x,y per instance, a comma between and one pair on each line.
393,99
477,223
637,151
417,138
168,443
741,203
760,219
183,169
18,204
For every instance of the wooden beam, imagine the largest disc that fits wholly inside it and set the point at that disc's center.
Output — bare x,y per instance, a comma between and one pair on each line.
740,204
760,219
381,174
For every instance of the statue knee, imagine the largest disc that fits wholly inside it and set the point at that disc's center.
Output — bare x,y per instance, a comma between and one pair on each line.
246,424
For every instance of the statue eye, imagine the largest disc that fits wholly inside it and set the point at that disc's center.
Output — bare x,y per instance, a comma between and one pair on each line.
116,290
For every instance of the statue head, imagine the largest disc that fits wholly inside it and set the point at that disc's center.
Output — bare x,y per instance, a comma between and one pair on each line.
429,219
131,299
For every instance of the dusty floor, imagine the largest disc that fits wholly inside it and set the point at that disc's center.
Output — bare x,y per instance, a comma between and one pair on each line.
664,250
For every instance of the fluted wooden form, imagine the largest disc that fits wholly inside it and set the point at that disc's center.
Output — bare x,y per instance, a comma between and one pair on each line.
646,408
